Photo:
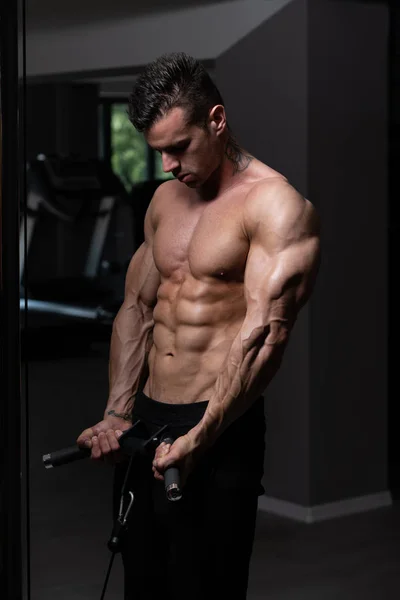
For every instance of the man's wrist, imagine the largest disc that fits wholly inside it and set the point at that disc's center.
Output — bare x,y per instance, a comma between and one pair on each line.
202,436
127,416
209,428
120,408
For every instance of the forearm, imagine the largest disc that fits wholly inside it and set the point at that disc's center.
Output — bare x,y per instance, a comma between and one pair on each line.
131,341
253,360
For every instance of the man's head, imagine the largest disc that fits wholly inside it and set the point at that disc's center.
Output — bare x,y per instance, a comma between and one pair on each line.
180,110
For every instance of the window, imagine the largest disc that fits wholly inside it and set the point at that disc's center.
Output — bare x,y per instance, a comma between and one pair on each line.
130,156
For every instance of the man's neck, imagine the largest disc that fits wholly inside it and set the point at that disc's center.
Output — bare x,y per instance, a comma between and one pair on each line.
233,162
239,158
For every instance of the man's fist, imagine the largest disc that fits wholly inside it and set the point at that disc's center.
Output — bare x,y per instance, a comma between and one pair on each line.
183,454
102,439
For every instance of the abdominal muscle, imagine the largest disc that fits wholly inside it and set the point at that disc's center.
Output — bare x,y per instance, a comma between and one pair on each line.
195,323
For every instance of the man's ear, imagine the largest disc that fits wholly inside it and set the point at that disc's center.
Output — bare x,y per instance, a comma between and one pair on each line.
217,119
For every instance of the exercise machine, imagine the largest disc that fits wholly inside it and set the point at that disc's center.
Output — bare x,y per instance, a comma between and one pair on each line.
135,441
75,198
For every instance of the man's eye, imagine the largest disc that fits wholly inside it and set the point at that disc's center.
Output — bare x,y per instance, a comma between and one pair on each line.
174,149
180,148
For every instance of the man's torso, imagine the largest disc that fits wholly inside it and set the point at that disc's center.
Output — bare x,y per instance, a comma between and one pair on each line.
200,249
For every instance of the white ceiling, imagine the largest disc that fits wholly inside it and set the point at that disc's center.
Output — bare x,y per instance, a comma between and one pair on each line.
42,14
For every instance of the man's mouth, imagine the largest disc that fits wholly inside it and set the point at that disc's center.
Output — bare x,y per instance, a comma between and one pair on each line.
184,178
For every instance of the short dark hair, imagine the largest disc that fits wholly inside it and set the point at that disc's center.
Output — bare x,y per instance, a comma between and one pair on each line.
172,80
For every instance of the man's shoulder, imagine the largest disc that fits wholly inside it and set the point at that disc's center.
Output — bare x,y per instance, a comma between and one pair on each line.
274,203
165,190
269,196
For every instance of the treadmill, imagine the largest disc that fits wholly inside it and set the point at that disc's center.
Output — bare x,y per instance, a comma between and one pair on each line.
69,190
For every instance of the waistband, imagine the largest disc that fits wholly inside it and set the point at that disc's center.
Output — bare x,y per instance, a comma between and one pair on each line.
162,412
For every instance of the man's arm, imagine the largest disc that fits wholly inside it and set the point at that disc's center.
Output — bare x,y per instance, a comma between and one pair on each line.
131,338
131,341
280,271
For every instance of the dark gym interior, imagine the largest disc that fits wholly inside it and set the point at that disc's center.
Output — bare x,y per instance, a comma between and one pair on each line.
322,79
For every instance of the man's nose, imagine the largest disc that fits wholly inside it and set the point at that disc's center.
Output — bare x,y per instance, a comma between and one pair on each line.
169,163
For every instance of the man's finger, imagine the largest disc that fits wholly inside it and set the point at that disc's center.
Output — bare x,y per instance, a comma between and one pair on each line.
104,443
85,436
112,440
162,450
85,443
158,475
96,452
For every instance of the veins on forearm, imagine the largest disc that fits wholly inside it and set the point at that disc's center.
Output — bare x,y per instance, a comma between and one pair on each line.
130,344
251,364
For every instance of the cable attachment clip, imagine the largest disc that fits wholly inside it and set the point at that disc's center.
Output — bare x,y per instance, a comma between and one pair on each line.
119,526
122,518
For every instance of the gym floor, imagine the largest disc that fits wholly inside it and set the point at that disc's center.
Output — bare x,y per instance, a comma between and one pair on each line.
348,558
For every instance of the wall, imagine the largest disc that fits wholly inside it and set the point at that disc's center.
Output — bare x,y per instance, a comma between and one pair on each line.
311,102
348,182
203,31
62,119
272,123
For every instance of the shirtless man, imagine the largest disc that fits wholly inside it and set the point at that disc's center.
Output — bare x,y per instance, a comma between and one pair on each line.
230,256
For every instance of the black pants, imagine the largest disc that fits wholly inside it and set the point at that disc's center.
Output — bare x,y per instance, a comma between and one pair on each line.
200,546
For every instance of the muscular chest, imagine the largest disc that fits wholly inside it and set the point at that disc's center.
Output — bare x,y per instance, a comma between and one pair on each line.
207,242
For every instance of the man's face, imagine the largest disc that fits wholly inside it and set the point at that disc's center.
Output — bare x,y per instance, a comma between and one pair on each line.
189,152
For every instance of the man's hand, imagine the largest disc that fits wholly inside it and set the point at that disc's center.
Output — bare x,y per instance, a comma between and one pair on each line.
183,454
102,438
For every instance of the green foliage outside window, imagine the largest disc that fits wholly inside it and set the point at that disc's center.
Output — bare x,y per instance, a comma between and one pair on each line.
129,150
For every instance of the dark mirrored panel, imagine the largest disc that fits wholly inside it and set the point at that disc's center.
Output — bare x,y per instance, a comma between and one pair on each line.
14,479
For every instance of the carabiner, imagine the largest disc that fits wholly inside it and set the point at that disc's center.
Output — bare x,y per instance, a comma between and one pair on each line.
123,517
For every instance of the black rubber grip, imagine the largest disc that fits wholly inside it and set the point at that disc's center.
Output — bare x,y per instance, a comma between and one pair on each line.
172,477
65,455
